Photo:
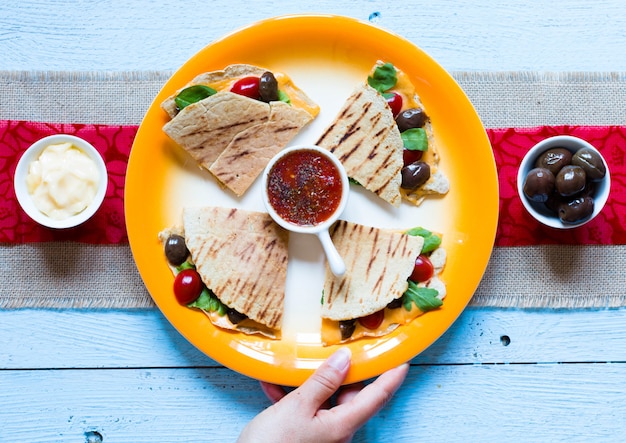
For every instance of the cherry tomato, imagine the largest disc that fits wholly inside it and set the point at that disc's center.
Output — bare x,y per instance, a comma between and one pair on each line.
187,286
423,270
374,320
248,86
411,156
394,100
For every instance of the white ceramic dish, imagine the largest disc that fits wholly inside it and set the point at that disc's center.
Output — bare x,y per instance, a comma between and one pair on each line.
335,261
24,198
539,210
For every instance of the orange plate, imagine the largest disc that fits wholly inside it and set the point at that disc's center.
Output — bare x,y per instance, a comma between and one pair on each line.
327,56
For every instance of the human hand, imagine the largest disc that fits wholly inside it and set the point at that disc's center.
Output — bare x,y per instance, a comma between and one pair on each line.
305,414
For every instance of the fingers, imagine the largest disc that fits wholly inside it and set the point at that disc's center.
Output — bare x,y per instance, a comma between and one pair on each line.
320,386
273,392
348,392
365,404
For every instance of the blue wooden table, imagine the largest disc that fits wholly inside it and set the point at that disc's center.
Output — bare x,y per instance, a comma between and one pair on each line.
496,375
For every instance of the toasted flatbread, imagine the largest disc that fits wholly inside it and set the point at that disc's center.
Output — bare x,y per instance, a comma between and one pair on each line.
248,153
234,136
242,257
378,262
204,129
365,138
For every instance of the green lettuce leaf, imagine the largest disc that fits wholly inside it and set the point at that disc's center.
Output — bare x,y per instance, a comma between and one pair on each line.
424,298
431,241
208,302
193,94
283,97
383,78
415,139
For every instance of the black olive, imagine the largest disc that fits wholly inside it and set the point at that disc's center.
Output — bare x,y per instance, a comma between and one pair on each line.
539,184
554,159
591,162
576,210
554,202
415,175
176,250
395,304
570,180
347,328
235,316
268,87
411,118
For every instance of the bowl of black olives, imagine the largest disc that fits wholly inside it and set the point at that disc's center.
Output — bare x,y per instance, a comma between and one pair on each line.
563,182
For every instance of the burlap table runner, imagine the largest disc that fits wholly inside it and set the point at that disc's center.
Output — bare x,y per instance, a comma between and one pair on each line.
74,275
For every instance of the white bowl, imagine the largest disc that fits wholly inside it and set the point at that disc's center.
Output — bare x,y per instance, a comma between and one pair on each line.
539,210
335,262
24,198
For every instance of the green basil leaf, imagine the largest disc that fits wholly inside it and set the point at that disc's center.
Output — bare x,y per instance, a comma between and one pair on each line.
208,302
383,78
283,97
422,232
424,298
415,139
431,241
203,302
193,94
185,265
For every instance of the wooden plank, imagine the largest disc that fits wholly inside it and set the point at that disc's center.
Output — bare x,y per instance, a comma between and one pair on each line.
41,339
456,403
499,35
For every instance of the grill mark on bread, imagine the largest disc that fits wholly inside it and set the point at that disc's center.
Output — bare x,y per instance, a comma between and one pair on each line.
374,255
285,129
345,113
379,283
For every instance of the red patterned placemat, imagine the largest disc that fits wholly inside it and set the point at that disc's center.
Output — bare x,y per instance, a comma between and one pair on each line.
107,225
515,226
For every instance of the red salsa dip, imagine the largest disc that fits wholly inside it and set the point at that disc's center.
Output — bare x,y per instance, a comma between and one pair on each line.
304,187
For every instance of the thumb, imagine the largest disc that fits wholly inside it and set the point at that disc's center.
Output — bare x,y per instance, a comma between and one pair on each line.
326,379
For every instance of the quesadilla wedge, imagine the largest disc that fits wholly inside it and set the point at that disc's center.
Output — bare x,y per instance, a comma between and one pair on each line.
366,139
386,140
392,277
241,257
234,120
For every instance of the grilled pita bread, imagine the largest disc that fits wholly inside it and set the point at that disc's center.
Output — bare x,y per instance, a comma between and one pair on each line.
242,257
250,151
234,136
365,138
378,262
204,129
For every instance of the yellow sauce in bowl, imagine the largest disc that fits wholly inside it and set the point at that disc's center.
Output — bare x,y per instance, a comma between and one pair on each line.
62,181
